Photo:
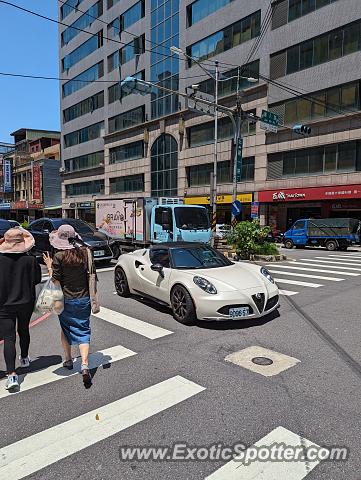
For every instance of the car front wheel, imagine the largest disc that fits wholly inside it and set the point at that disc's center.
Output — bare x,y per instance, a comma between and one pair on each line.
121,283
183,306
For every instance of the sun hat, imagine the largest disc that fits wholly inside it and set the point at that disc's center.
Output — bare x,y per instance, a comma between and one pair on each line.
16,240
59,239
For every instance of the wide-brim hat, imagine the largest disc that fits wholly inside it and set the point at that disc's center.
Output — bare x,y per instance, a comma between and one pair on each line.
61,239
16,240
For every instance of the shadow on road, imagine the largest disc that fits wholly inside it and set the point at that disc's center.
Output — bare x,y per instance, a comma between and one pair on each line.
238,324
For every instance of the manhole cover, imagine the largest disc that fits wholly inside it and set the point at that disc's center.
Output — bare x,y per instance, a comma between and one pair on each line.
262,361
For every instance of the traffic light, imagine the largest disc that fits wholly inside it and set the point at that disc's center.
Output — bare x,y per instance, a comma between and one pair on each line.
302,130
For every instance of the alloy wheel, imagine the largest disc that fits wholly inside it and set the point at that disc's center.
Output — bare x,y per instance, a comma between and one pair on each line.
179,303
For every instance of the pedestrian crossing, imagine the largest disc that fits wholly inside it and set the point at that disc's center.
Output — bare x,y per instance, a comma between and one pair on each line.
329,269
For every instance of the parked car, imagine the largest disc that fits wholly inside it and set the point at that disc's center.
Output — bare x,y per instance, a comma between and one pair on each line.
197,281
4,227
14,223
98,242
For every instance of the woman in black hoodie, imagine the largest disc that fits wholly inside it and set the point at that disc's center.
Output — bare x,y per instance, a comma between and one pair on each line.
19,274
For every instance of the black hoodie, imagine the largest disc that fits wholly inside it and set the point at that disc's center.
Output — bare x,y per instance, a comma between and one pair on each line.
19,274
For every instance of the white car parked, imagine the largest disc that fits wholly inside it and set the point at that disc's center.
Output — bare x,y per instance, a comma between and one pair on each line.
197,281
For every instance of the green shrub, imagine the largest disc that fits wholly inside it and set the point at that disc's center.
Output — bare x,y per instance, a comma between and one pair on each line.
249,238
25,224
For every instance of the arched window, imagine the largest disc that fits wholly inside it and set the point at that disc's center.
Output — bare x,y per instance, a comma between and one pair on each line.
164,167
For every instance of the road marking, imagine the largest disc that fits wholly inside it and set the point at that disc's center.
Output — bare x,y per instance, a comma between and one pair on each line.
326,264
339,261
287,293
296,282
349,274
331,279
133,324
351,257
268,469
106,269
58,372
49,446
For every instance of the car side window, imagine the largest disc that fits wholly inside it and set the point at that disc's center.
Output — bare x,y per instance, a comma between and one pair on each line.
47,226
37,226
299,225
160,256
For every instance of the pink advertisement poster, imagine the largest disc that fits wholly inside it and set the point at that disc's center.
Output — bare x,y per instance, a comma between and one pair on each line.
120,219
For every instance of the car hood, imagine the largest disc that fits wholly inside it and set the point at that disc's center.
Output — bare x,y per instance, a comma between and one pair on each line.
95,237
233,277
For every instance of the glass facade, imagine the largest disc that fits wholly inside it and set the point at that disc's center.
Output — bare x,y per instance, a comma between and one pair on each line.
337,158
85,106
127,19
164,166
84,134
82,23
164,68
126,119
114,92
200,9
69,7
224,40
131,183
84,162
198,175
125,153
228,87
133,48
83,79
113,61
85,188
85,49
299,8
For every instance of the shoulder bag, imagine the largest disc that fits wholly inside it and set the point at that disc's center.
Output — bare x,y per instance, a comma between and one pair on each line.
92,283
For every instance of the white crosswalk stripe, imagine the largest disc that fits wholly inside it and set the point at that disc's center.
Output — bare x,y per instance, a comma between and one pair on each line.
323,265
305,275
296,282
339,261
133,324
49,446
287,293
344,257
320,270
268,469
57,372
328,264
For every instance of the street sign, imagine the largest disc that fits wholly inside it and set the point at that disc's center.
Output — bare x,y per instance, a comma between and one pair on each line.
254,210
236,208
270,118
268,127
239,147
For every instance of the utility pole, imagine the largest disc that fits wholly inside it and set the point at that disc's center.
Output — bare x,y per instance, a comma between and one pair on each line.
215,161
238,146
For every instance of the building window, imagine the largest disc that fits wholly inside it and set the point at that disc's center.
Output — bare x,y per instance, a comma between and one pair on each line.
129,51
132,183
84,135
132,15
85,188
85,106
164,166
125,153
228,87
224,40
324,48
68,7
315,161
199,175
83,79
247,174
200,9
84,162
299,8
113,61
126,119
164,68
326,103
113,28
88,47
82,23
116,93
111,3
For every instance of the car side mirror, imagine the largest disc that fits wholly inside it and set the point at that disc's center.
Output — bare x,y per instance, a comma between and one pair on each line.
157,268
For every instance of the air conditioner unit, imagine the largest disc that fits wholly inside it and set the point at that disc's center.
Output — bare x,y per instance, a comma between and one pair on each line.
171,201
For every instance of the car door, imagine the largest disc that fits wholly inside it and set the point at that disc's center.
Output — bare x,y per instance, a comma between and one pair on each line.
36,230
299,235
154,284
163,224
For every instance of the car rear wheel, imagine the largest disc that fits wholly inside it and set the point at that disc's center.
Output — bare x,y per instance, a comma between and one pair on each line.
183,306
288,244
331,245
121,283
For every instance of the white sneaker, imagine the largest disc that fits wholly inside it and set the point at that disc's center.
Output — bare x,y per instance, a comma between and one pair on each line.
12,382
24,362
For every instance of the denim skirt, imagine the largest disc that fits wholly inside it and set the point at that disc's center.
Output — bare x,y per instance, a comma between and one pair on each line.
74,320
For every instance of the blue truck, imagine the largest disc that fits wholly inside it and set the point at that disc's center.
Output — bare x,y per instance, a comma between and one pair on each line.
332,233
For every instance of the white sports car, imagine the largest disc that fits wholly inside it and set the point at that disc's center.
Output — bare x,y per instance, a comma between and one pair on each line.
196,281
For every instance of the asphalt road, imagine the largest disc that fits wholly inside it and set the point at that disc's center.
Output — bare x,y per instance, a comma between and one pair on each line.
173,385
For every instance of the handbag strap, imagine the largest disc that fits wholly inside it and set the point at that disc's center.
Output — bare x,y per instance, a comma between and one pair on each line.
90,262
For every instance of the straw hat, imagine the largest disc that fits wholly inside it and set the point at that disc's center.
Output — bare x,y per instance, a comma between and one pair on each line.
16,240
59,239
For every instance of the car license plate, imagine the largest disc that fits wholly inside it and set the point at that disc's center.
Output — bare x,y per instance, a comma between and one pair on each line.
239,312
99,253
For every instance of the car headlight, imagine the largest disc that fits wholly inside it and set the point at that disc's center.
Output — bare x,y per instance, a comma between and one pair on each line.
266,274
205,285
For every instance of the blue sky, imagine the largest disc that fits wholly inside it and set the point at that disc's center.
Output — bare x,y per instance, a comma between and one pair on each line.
28,45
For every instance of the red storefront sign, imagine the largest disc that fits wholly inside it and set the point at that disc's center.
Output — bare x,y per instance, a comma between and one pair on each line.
36,181
313,193
24,205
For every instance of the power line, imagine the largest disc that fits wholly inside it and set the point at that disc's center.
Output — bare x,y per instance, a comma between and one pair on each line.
263,30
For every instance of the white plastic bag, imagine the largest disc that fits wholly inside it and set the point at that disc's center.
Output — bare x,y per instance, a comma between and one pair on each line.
51,298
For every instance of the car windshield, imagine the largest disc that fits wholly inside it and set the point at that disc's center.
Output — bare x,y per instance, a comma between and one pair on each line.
198,257
78,225
190,218
4,225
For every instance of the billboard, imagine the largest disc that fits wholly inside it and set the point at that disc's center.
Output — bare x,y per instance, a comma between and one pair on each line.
36,174
120,219
7,181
